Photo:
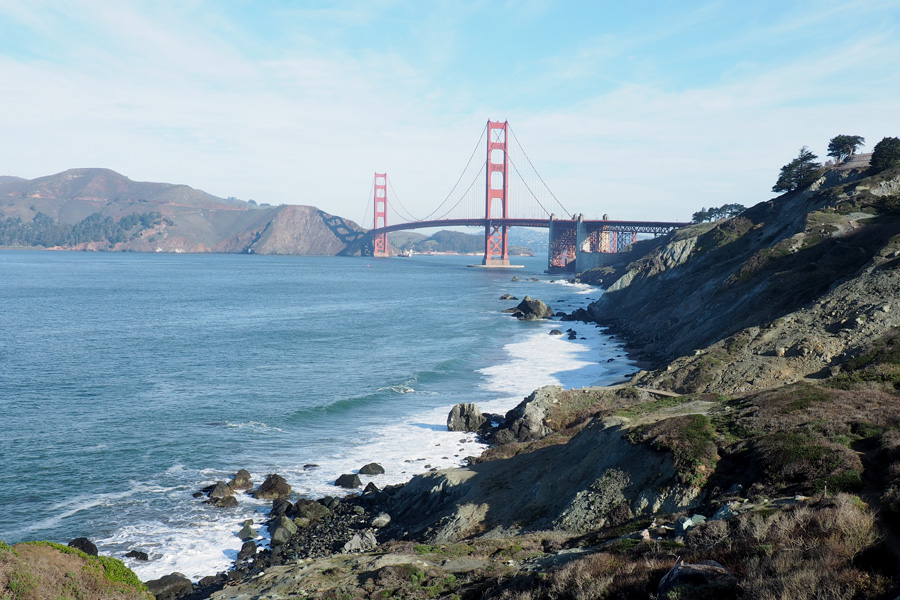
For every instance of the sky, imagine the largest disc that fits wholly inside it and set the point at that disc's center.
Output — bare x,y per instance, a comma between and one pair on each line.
639,110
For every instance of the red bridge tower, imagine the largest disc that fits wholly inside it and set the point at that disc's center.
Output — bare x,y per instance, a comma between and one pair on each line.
380,247
495,247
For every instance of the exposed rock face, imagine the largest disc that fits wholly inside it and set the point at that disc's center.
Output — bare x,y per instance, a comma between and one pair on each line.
571,486
526,422
705,573
789,289
273,487
466,417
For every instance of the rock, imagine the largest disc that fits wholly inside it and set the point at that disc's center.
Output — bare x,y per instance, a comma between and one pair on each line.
466,417
555,332
371,469
241,480
348,480
508,297
370,488
248,550
247,532
280,507
704,573
532,310
273,487
280,536
381,520
302,522
220,490
225,502
682,525
361,542
515,278
579,314
85,545
525,422
724,512
310,509
137,555
170,587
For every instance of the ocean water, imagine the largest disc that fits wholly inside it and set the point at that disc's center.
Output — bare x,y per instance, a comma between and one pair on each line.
130,381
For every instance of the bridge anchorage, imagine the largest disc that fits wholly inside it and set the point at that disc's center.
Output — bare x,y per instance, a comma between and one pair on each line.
576,244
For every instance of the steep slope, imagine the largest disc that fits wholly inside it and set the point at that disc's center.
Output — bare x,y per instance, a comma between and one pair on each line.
805,277
98,209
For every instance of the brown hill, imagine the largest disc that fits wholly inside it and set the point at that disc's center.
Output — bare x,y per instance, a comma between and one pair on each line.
177,218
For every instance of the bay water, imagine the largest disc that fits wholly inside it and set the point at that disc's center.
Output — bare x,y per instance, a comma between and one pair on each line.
130,381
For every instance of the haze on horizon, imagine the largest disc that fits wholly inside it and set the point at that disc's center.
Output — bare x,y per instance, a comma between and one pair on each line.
641,110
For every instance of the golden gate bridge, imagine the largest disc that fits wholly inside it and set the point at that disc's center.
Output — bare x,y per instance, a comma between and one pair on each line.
498,202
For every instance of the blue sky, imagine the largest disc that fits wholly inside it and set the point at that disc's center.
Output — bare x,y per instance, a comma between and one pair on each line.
641,110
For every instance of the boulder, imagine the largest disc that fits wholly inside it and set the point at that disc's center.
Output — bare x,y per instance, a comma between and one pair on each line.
361,542
248,550
555,332
508,297
531,309
280,536
170,587
273,487
381,520
280,507
241,480
525,422
706,573
137,555
220,490
310,509
579,314
371,469
371,488
225,502
247,532
85,545
466,417
348,480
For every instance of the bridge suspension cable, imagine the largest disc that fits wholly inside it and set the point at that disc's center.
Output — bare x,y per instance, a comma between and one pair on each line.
396,198
464,194
465,169
525,154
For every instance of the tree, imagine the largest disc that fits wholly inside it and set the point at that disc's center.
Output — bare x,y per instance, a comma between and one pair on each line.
844,146
885,155
725,211
798,173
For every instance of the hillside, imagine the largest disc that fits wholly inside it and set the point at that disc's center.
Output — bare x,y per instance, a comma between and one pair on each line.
454,241
99,209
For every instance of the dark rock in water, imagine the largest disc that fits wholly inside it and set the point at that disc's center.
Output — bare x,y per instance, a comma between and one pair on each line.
309,466
704,573
609,360
170,587
579,314
515,278
370,488
371,469
85,545
508,297
466,417
241,480
247,532
273,487
348,480
555,332
220,490
226,502
137,555
533,309
248,550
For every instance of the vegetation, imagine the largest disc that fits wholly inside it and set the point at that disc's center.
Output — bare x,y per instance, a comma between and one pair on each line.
885,155
44,231
844,146
798,173
714,214
37,570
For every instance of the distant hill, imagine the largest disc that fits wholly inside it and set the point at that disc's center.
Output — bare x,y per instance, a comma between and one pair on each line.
99,209
450,241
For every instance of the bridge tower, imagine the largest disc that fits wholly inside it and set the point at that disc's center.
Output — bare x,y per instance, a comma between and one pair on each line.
380,247
495,236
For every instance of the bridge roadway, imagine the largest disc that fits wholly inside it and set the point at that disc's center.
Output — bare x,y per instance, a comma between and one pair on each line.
654,227
574,244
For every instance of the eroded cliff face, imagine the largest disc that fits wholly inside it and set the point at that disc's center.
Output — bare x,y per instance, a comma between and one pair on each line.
789,289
